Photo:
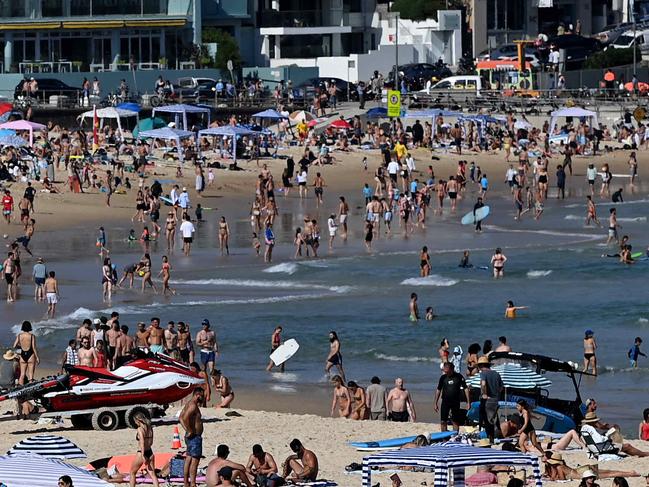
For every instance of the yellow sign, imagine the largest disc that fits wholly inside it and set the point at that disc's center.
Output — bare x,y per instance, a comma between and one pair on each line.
394,103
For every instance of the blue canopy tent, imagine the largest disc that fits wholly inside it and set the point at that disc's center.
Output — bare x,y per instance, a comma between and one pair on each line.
6,132
445,457
270,114
431,113
481,121
377,112
228,131
181,109
167,133
13,141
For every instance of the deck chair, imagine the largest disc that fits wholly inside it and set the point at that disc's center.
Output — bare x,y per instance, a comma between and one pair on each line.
596,449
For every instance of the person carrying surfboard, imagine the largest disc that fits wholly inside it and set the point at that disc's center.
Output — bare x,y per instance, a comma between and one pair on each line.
478,223
275,342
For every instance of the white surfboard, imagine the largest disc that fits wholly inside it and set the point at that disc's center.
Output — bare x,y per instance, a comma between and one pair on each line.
480,214
285,351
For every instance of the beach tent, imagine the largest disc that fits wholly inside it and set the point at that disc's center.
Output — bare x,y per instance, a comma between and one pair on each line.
166,133
13,141
447,457
129,105
228,131
182,110
481,121
110,113
516,376
149,124
24,125
27,470
431,113
49,446
270,114
6,133
573,112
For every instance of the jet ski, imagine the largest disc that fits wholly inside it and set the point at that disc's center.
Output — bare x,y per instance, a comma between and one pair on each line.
148,379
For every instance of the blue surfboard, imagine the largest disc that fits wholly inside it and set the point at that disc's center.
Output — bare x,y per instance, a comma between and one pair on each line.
398,442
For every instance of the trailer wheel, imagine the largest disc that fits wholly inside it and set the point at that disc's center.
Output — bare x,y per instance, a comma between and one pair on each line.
105,419
131,413
81,421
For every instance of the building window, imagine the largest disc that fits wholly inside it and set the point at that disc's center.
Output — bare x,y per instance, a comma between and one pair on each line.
352,6
80,7
52,8
505,15
12,8
116,7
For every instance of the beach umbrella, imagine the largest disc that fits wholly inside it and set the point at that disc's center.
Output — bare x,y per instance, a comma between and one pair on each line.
299,115
516,376
7,132
12,140
10,113
522,124
149,124
377,112
5,107
49,446
340,124
27,470
269,114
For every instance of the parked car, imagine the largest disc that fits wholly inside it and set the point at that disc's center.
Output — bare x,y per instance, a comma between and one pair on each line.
48,87
187,87
416,74
627,39
307,88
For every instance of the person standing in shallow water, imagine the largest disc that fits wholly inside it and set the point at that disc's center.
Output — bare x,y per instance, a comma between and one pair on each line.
590,346
413,308
334,358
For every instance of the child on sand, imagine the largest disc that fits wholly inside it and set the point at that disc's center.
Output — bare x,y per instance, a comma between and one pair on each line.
643,427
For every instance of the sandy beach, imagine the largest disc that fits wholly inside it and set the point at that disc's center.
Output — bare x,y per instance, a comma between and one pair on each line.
66,230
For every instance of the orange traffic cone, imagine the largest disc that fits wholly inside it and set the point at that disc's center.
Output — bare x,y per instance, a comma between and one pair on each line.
175,444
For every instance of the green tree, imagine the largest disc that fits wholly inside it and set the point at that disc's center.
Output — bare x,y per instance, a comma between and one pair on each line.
611,57
227,47
418,9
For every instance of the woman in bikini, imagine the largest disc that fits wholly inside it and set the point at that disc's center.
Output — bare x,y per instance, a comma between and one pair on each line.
358,408
224,236
144,455
255,214
165,272
107,279
590,345
170,230
26,341
498,261
144,269
341,398
424,262
140,206
443,351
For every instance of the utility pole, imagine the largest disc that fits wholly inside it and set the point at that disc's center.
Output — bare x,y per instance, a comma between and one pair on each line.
396,53
635,39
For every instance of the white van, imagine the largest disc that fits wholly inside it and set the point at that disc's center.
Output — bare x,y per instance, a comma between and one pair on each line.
458,88
627,39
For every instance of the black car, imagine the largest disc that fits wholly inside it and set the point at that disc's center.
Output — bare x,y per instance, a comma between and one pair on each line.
308,88
577,47
48,87
416,74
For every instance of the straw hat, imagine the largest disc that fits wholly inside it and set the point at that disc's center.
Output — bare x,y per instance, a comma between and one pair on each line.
484,360
483,443
590,418
555,459
10,355
588,473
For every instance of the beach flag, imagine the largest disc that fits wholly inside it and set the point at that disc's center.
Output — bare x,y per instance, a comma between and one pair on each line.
175,444
95,128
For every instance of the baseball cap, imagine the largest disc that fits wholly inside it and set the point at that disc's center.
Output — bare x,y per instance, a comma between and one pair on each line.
96,321
205,322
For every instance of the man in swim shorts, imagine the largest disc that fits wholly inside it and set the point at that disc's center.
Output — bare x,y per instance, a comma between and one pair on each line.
399,403
206,341
192,422
155,337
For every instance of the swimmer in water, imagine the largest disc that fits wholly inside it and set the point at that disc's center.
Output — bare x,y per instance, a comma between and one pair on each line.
591,212
430,315
414,309
510,310
464,263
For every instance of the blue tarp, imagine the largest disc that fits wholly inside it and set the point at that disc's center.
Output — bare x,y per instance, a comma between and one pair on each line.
134,107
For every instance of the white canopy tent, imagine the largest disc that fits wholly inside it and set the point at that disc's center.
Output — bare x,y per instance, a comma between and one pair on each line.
110,113
573,112
228,131
166,133
182,110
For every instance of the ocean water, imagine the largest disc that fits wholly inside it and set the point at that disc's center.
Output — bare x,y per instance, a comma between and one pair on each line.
554,266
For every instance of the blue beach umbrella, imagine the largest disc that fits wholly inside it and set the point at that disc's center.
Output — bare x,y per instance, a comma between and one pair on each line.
12,140
6,133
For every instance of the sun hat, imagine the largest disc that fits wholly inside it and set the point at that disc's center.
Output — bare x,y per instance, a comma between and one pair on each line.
483,443
555,459
484,360
10,355
588,473
590,418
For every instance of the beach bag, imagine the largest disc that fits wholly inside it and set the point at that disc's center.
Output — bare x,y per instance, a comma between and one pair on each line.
176,466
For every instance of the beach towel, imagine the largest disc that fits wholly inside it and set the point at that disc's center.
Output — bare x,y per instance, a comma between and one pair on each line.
317,483
163,481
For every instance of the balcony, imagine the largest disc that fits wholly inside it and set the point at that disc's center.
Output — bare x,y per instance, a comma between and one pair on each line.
291,18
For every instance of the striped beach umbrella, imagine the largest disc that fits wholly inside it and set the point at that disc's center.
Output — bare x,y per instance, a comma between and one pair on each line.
28,470
515,376
49,446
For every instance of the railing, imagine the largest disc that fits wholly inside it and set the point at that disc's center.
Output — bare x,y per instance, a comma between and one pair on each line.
291,18
304,51
30,67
